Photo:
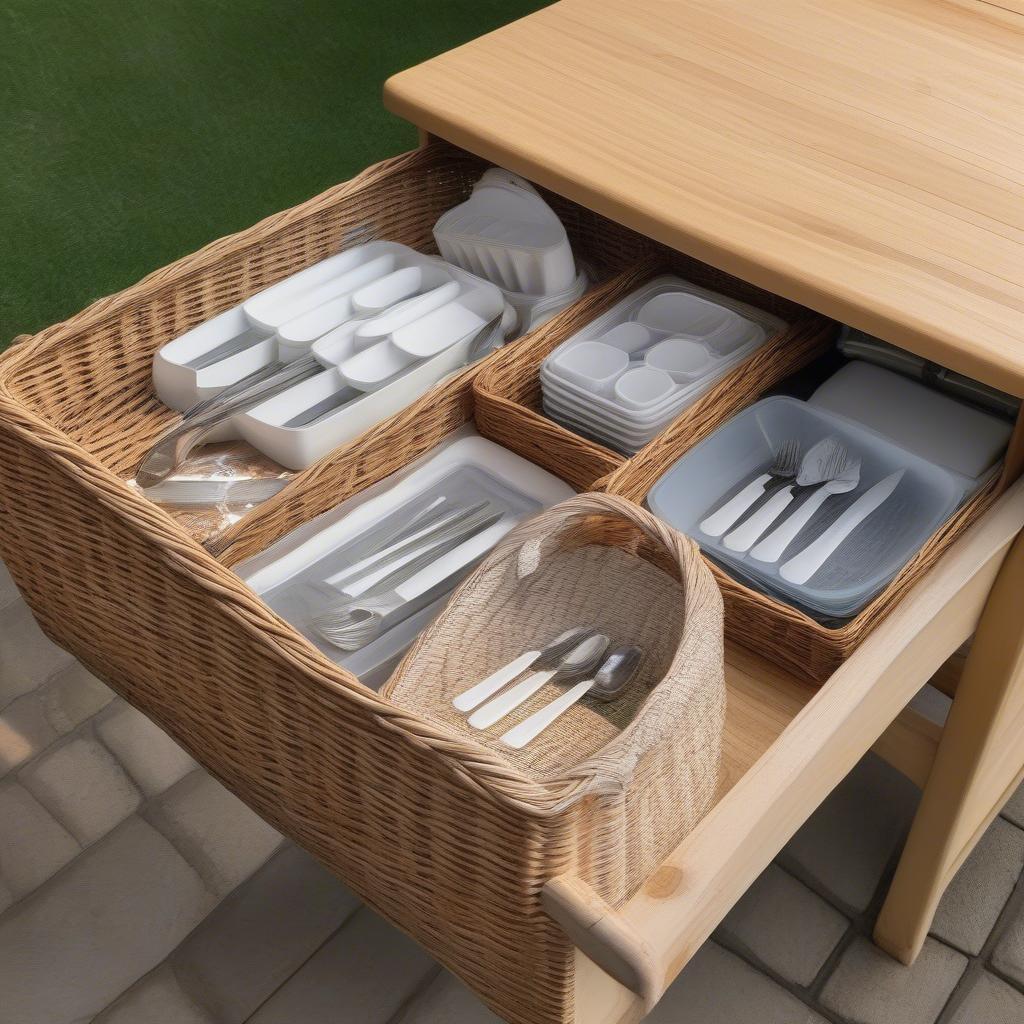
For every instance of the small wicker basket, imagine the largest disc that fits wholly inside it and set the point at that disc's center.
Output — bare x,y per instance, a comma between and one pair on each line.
649,759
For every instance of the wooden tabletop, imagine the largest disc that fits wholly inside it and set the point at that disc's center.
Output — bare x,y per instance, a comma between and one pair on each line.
863,157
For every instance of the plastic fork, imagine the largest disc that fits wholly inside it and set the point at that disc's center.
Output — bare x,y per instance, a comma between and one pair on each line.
783,469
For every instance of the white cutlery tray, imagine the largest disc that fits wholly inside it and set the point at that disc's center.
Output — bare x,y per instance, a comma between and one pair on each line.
290,574
318,309
720,466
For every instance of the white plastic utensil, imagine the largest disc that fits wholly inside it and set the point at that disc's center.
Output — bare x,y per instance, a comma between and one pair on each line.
823,461
552,654
406,312
436,331
581,659
784,467
803,566
772,548
618,668
386,291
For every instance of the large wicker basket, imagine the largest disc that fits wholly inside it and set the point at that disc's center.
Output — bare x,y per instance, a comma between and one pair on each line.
398,805
647,764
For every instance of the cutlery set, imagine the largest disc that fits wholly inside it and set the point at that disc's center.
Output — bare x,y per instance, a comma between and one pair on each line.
624,377
576,656
805,505
366,577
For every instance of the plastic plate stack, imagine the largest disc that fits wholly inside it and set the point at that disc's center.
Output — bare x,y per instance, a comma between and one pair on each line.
628,374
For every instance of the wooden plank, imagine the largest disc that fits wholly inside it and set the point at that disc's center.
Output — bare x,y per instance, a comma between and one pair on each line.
863,157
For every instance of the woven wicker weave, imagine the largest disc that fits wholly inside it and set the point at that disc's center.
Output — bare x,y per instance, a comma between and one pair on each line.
649,760
393,804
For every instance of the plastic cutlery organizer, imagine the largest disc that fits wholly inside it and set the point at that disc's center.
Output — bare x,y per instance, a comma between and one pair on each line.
292,575
385,321
632,370
737,453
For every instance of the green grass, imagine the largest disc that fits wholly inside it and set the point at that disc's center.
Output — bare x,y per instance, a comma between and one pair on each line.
136,131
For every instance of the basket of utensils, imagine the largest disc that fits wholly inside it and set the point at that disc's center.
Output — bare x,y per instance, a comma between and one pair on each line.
585,655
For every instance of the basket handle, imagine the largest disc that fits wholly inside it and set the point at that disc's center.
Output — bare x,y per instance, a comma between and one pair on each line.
543,529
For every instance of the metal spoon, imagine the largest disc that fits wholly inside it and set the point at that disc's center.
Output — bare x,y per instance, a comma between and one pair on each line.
583,658
545,657
610,680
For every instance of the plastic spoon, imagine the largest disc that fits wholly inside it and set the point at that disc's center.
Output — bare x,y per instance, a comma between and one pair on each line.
772,548
803,566
612,677
372,367
581,659
547,656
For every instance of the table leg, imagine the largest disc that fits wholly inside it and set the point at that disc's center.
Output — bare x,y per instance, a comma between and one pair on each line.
978,764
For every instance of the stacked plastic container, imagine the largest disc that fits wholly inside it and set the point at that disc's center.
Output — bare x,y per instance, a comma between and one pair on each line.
624,377
506,234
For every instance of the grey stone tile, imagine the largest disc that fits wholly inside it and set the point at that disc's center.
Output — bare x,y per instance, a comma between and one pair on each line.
1008,956
148,754
717,987
82,786
869,987
976,896
1014,809
8,590
220,836
6,896
157,999
24,732
847,843
447,1001
27,657
365,973
33,845
73,695
990,1001
112,915
785,926
263,932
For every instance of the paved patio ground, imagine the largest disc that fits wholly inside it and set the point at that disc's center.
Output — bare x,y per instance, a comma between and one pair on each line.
134,889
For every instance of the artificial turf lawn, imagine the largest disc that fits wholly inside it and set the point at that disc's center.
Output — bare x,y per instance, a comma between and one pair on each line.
136,131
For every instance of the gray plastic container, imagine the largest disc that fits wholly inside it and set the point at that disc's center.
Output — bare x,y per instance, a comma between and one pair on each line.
721,465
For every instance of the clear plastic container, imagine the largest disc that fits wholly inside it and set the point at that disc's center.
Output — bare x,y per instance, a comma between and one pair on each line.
292,575
706,477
